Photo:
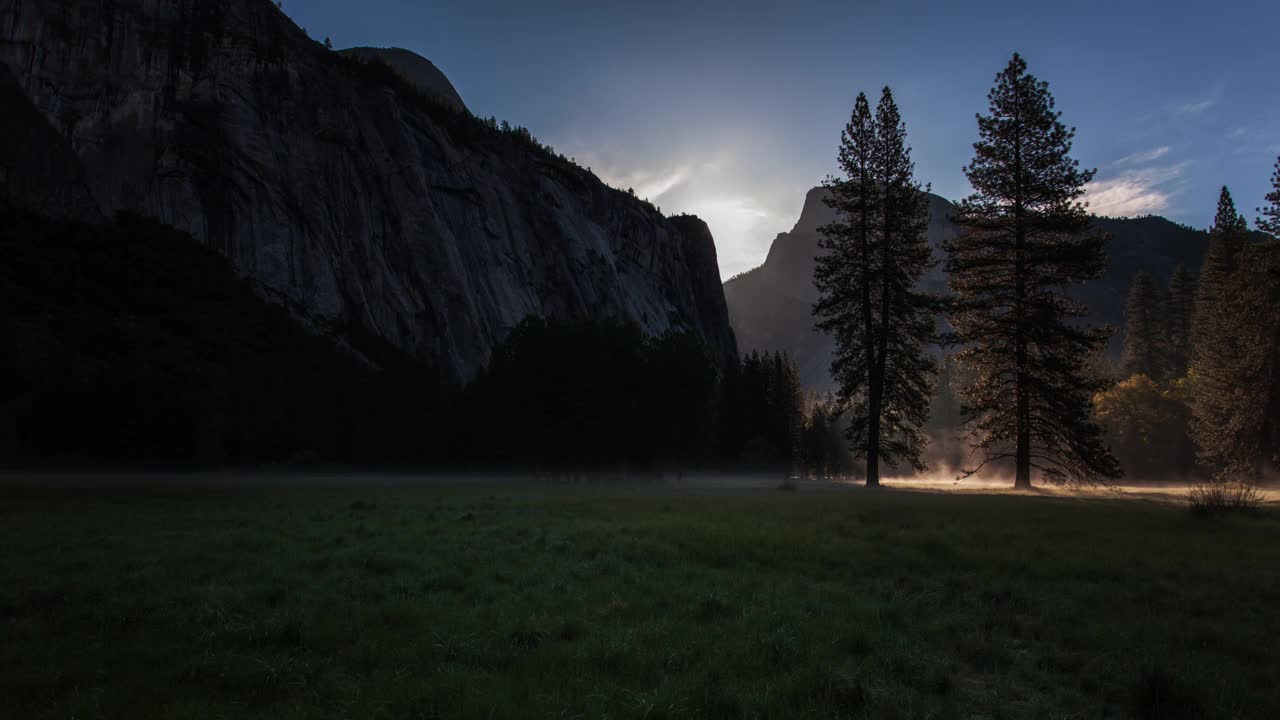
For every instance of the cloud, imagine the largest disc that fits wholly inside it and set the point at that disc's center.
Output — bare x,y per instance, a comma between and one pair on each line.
1133,192
648,184
1142,158
1195,108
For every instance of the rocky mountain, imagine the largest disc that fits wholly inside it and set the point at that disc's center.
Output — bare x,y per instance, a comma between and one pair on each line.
771,306
419,71
343,190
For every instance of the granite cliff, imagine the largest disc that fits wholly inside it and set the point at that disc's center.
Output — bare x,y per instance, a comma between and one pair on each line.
337,185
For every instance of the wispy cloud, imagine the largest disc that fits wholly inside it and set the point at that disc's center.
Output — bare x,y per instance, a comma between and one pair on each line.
1142,158
1133,192
647,184
1195,108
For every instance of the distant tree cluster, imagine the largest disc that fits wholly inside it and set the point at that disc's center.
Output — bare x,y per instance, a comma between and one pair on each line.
1235,361
590,396
570,399
824,449
764,413
1200,388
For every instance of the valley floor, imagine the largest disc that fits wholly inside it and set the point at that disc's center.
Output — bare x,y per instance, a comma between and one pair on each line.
218,599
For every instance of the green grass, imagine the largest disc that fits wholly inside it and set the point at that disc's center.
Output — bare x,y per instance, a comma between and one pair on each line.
502,602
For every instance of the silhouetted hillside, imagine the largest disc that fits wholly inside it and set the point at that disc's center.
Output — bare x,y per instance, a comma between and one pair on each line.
135,344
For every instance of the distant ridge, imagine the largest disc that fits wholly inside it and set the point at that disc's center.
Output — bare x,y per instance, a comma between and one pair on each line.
770,307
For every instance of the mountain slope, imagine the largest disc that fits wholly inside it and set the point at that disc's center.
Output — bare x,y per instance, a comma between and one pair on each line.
339,187
771,306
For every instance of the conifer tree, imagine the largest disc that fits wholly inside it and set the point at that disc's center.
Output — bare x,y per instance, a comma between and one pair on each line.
1142,353
1236,393
870,299
1269,223
787,401
1024,239
1180,304
1227,238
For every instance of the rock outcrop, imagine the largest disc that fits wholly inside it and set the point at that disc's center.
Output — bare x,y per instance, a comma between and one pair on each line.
342,189
416,69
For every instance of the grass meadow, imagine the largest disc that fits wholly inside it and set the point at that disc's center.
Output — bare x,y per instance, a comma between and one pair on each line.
536,601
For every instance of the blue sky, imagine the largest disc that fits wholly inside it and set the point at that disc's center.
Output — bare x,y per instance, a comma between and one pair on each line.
732,110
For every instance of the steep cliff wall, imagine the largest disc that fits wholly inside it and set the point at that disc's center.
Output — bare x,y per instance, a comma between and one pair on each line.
341,188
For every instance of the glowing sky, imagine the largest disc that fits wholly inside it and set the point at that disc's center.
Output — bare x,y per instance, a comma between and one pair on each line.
732,110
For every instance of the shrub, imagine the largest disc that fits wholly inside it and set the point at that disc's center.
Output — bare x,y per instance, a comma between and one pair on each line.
1217,497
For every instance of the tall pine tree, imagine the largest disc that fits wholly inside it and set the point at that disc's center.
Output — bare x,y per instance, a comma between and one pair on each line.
1024,240
870,299
1269,223
1179,308
1143,353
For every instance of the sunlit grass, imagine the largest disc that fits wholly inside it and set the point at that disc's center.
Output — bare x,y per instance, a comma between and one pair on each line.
419,602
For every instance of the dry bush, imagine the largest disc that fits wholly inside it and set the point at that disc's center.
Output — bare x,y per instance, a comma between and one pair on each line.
1216,497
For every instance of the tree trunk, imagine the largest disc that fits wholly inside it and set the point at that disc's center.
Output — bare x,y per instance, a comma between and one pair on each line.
1022,459
1022,400
873,445
1022,454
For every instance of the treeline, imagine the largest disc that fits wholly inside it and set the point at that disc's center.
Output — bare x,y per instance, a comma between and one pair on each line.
564,399
561,398
1200,372
129,343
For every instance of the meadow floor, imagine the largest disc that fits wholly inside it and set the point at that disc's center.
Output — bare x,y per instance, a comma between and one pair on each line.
524,600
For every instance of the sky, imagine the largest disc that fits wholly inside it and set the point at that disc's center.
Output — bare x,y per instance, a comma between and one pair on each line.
732,110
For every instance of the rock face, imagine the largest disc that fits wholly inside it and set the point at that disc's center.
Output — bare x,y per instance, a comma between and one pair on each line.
416,69
340,188
771,307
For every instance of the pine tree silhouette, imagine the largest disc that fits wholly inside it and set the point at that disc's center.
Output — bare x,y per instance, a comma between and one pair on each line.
1142,353
868,282
1024,240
